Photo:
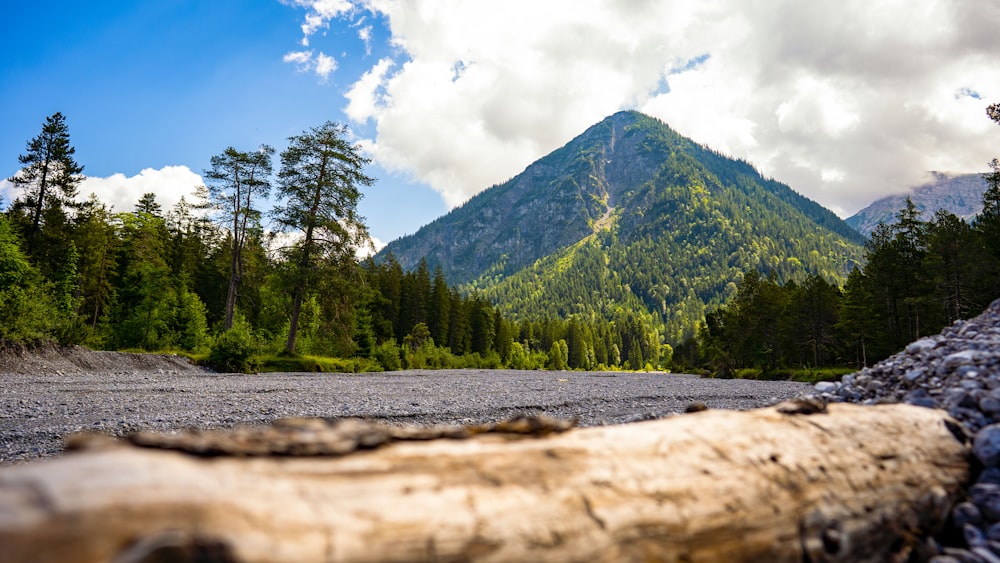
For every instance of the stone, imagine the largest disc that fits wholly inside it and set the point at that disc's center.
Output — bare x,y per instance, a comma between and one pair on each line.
990,404
986,497
986,445
921,398
974,537
966,513
920,346
965,357
915,374
826,387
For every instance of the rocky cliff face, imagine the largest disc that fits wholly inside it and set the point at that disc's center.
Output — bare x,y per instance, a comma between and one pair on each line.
961,194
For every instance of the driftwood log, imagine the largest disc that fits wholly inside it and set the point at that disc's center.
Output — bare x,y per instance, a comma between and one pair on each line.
794,483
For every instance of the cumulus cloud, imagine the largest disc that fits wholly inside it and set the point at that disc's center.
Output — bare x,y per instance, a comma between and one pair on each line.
169,183
122,192
325,65
845,101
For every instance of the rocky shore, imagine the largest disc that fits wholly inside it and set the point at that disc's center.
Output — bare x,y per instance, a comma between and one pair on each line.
957,370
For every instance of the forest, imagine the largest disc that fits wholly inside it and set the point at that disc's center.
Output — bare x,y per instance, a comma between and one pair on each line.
206,279
919,276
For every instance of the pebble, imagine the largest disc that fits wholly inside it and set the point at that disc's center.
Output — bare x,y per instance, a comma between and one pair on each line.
986,445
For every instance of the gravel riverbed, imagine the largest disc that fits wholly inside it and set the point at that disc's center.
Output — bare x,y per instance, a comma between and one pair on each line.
38,411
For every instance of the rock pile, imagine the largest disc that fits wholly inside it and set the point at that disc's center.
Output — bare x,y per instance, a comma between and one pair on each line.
957,370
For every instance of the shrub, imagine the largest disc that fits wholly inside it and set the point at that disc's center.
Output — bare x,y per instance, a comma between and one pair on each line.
233,351
387,355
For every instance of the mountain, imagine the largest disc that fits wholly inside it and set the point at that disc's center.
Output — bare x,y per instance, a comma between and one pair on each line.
961,194
630,217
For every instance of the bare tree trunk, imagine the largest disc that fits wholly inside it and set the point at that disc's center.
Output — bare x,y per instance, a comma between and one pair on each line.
231,292
852,484
293,324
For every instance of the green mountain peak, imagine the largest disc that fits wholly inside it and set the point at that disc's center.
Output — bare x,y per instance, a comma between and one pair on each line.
630,216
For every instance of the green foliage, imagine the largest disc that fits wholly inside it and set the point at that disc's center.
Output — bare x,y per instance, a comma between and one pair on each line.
298,364
27,309
686,232
234,350
920,276
236,181
558,356
387,354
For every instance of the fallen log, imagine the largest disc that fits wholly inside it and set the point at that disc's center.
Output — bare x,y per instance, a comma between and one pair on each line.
848,483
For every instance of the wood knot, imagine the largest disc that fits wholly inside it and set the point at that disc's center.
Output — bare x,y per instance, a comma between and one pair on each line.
802,405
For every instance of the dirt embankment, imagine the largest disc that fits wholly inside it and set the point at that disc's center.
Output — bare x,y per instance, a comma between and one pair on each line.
51,358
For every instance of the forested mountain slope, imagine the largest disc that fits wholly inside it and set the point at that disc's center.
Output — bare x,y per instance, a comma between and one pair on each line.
630,217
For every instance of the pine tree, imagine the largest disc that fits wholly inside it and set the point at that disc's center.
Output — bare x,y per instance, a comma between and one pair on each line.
320,180
236,182
148,204
49,177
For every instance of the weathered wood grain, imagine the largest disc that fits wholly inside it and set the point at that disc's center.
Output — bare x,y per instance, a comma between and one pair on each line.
850,484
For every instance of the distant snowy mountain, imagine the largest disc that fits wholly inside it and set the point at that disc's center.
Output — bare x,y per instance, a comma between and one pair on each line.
961,194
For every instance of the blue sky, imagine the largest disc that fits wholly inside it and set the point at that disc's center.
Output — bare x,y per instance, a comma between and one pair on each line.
148,85
844,101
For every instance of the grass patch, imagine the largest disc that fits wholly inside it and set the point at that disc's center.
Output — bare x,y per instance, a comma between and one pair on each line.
804,375
316,364
815,375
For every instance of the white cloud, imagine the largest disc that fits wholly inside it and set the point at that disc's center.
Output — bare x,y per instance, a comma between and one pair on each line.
321,64
122,192
845,101
320,13
365,34
364,251
7,192
300,59
325,65
366,96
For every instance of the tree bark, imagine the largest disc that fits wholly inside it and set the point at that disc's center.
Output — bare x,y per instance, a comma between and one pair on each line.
293,323
850,484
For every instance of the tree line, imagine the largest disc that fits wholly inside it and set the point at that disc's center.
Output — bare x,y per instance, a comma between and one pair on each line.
919,277
218,276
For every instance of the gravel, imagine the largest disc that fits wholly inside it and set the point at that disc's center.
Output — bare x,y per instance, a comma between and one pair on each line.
38,411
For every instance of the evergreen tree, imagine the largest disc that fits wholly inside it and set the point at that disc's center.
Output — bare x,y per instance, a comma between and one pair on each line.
96,236
236,183
49,177
859,319
148,204
320,180
438,310
145,299
953,258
